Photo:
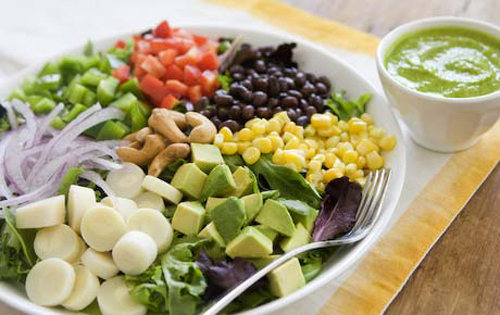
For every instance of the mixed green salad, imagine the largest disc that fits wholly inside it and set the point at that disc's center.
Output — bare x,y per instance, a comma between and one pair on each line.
155,176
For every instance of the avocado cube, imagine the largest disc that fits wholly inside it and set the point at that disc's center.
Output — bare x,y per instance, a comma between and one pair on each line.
190,180
267,231
213,202
286,278
219,183
253,204
299,238
250,243
243,180
188,217
206,156
276,216
210,232
260,263
301,213
229,217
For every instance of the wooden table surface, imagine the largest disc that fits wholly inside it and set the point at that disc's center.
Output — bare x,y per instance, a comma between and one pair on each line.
461,274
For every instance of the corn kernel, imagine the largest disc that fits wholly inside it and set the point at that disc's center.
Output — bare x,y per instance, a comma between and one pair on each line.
315,178
309,131
351,168
274,133
292,144
374,161
330,160
227,133
315,165
332,174
291,156
310,153
259,127
283,117
299,132
278,157
387,143
366,146
361,181
377,133
251,155
290,127
321,186
229,148
357,174
339,164
326,133
319,157
367,119
245,134
274,124
343,125
303,147
361,162
342,147
344,136
263,144
320,121
276,142
250,123
287,136
219,140
350,156
335,119
356,125
293,166
242,146
332,142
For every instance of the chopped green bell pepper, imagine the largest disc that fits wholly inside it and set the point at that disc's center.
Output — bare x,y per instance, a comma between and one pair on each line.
91,62
125,102
74,112
77,94
57,123
48,68
49,81
92,77
19,94
89,99
137,118
132,86
106,90
111,130
44,105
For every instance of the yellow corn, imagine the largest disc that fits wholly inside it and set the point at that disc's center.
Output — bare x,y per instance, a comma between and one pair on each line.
367,119
314,178
242,146
227,133
311,143
344,136
366,146
274,125
357,174
356,125
350,156
229,148
290,127
278,157
287,136
276,142
219,140
292,144
350,169
387,143
263,144
250,123
299,132
293,166
291,156
332,174
361,162
320,121
282,116
332,142
330,159
326,133
245,134
342,147
315,165
343,125
259,127
374,161
335,119
376,133
310,153
274,133
309,131
319,157
251,155
361,181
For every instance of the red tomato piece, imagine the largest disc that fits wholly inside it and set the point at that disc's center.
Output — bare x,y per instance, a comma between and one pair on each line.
163,30
199,40
191,75
151,85
120,44
143,46
209,82
136,58
182,33
122,73
174,72
194,93
190,58
157,45
176,87
185,45
153,66
169,101
167,56
209,61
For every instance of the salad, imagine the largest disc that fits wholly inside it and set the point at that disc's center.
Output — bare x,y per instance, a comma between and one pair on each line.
156,175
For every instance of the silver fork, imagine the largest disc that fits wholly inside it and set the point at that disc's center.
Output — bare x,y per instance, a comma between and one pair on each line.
368,213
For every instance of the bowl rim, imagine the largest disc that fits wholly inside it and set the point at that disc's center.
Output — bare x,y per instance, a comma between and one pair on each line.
327,275
425,23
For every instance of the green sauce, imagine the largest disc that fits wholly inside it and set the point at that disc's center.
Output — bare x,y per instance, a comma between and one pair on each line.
448,61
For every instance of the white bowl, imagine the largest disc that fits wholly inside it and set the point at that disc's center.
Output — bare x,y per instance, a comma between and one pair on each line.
436,122
312,58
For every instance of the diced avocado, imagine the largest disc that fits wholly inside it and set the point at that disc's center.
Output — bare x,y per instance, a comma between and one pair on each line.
106,90
260,263
243,181
250,243
229,217
301,212
210,232
253,204
213,202
286,278
276,216
267,231
219,183
206,156
299,238
190,180
111,130
188,217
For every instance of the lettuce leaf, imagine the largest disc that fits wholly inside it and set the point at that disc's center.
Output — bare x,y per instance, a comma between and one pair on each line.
344,108
149,288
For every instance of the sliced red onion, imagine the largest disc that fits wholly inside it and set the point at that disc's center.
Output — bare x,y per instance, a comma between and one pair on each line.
10,114
30,120
99,181
46,122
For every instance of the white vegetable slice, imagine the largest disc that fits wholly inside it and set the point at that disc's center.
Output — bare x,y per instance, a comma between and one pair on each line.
134,252
150,200
59,241
50,282
43,213
126,182
101,264
114,299
83,249
124,206
80,199
162,188
102,227
84,291
153,223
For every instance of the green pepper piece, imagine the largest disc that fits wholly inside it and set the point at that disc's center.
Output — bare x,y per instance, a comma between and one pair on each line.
29,86
106,90
92,77
145,109
74,112
67,91
111,131
123,126
77,94
132,86
48,68
18,93
43,106
70,66
93,61
125,102
89,99
33,99
49,81
137,118
57,123
94,131
104,65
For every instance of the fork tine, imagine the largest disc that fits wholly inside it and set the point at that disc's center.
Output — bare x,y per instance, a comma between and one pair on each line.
363,195
378,204
366,199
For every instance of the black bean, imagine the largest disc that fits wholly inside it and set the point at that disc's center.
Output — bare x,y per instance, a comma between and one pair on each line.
321,88
259,98
307,89
320,106
288,72
248,84
223,100
201,104
273,86
282,95
238,76
216,121
283,84
264,112
289,81
247,96
251,72
328,110
259,66
289,102
236,69
212,111
206,113
277,109
295,94
231,124
235,112
278,74
323,79
223,113
260,84
266,51
302,121
272,69
272,102
311,110
239,92
248,112
311,77
292,114
315,100
300,79
303,104
299,111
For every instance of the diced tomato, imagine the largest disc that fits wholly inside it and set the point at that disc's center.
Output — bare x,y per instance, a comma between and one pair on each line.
120,44
194,93
151,85
176,87
143,47
199,40
182,33
167,56
136,57
159,44
122,73
163,30
169,101
190,58
185,45
209,82
209,61
153,66
191,75
174,72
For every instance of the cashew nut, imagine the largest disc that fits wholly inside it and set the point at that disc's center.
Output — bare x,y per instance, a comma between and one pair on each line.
168,155
203,129
164,122
153,144
143,133
131,137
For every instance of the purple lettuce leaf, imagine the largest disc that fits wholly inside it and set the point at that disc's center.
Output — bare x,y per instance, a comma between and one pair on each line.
337,215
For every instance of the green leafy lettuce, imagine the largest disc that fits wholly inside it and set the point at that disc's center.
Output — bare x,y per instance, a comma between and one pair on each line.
150,289
344,108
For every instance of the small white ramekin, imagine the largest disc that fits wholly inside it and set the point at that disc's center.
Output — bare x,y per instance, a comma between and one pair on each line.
435,122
